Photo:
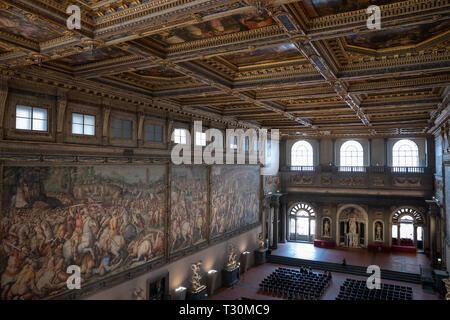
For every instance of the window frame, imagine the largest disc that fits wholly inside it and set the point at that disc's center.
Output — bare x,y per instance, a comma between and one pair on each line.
344,154
175,136
32,119
154,125
84,115
202,138
412,157
122,120
309,154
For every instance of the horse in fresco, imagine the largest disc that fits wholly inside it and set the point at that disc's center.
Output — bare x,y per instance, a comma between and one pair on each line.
81,244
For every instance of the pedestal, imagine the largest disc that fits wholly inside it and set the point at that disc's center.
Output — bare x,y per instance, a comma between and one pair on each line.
230,277
260,256
245,261
200,294
211,281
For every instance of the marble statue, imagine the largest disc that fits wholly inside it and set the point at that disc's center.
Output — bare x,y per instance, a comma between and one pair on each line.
196,278
326,228
378,232
232,263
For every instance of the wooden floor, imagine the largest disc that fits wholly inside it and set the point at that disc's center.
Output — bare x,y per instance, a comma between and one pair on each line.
396,261
249,282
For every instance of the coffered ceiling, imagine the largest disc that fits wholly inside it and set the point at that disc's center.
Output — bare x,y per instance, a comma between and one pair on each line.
309,68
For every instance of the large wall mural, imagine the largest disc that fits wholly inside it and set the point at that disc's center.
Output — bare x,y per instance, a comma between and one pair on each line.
235,198
105,219
189,202
111,219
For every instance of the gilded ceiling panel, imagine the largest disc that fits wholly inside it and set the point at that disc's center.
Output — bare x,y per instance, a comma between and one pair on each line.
19,23
215,27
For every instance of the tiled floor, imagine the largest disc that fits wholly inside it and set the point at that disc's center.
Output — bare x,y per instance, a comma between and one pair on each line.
397,261
249,282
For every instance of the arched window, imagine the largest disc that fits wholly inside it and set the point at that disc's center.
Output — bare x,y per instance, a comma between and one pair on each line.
302,223
405,154
352,154
407,228
302,154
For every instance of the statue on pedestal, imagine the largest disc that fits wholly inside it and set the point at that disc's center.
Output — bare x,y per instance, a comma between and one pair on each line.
196,286
261,243
232,263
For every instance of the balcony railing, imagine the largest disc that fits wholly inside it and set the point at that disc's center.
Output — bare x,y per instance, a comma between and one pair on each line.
351,169
356,169
408,169
302,168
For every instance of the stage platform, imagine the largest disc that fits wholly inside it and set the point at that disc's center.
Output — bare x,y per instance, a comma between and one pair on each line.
393,261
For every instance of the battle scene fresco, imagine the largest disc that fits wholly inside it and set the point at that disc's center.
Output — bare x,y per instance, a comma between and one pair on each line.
235,198
105,219
189,201
405,36
215,27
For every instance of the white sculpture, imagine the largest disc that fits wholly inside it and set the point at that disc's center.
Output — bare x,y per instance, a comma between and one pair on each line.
378,232
326,228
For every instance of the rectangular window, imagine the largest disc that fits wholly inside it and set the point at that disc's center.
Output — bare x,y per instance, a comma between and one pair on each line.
179,136
154,133
122,128
200,138
234,144
31,118
83,124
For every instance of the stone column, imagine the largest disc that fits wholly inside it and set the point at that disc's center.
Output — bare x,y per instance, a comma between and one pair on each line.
106,121
3,96
270,224
61,113
432,239
141,128
283,217
276,216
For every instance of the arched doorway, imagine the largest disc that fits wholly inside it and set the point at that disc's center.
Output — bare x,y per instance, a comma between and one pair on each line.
407,228
352,222
302,223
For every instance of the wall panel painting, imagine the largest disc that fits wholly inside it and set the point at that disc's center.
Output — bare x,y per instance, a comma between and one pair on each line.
105,219
189,203
235,194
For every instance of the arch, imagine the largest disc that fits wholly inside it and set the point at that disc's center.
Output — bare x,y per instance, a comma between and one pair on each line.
407,219
398,213
302,222
351,154
364,219
405,153
297,207
302,154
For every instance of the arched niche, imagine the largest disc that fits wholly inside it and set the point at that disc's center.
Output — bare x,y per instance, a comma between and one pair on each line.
352,226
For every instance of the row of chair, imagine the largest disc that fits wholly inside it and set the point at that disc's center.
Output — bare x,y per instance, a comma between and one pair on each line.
353,289
295,284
